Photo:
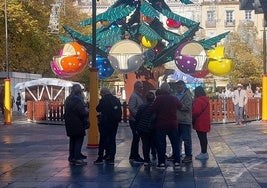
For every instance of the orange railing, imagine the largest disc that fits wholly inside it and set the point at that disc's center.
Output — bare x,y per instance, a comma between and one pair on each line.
222,111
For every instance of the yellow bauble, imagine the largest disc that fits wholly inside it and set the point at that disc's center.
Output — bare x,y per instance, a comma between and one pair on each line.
148,43
220,67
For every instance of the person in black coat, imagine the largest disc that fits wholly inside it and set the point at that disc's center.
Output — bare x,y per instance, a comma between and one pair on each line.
109,108
76,114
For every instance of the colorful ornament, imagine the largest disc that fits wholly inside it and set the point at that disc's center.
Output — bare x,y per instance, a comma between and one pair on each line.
74,48
200,74
190,57
105,70
126,56
172,23
148,43
72,60
218,64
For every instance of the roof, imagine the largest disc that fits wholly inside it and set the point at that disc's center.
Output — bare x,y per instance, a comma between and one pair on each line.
46,81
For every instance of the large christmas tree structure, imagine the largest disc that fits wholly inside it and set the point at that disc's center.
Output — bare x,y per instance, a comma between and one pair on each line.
132,38
133,41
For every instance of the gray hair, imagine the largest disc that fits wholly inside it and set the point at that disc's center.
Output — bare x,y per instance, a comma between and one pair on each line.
165,87
104,91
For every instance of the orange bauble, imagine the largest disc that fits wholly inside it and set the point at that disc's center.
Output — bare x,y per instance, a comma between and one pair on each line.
74,48
71,64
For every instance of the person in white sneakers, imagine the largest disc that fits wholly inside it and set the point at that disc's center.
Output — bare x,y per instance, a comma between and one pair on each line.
201,120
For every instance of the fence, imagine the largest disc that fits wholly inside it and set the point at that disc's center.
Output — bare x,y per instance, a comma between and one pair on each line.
222,111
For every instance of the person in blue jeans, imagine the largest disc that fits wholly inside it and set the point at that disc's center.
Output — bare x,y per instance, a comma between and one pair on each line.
184,116
135,100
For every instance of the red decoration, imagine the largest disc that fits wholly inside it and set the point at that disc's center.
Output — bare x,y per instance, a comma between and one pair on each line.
200,74
172,23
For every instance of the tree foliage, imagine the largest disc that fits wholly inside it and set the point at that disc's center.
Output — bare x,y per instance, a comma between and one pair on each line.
30,46
244,48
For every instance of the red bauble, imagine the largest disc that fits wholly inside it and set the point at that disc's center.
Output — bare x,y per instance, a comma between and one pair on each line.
172,23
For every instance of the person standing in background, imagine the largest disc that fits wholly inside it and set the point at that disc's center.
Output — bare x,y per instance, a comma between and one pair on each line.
135,100
201,119
165,107
109,109
240,100
184,116
75,115
18,102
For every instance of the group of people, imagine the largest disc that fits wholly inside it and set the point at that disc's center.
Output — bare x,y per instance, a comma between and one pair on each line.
153,117
169,115
240,97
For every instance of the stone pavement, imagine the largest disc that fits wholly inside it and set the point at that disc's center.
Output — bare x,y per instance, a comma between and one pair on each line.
35,155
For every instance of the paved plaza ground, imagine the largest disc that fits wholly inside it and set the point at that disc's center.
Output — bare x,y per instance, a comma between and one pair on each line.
35,155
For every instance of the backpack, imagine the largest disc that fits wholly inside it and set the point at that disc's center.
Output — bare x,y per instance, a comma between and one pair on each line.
116,112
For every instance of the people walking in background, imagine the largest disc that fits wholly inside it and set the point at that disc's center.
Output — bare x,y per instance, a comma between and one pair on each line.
145,126
165,107
135,100
18,102
12,102
201,119
110,113
257,93
184,116
240,100
75,115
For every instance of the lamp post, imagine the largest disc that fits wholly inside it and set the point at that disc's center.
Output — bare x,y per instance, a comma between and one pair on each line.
7,101
93,87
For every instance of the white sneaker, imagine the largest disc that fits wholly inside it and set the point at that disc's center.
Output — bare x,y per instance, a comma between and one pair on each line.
202,156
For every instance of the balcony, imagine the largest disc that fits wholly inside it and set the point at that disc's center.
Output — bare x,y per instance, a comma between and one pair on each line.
210,24
229,23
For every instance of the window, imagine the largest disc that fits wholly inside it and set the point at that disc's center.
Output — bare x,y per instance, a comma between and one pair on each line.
229,16
248,15
210,16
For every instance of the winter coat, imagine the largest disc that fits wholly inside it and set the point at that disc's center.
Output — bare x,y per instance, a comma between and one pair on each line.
165,106
106,116
184,114
201,114
75,114
135,101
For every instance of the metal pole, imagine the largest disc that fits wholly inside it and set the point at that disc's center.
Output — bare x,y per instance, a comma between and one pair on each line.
93,71
264,45
7,98
7,68
264,78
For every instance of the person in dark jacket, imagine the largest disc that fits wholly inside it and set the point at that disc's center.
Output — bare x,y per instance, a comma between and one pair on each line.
109,108
165,107
76,113
201,119
145,125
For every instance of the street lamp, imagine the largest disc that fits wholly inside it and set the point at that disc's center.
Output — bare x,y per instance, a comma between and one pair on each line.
7,101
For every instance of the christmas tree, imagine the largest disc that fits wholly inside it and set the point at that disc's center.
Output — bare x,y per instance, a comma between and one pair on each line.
138,21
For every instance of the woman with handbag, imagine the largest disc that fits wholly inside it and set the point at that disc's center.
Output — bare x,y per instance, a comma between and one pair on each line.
201,120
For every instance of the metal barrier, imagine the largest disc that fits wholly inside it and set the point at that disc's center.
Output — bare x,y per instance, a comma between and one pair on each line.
222,111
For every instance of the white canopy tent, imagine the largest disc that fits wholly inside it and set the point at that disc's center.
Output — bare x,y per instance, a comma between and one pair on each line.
51,89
